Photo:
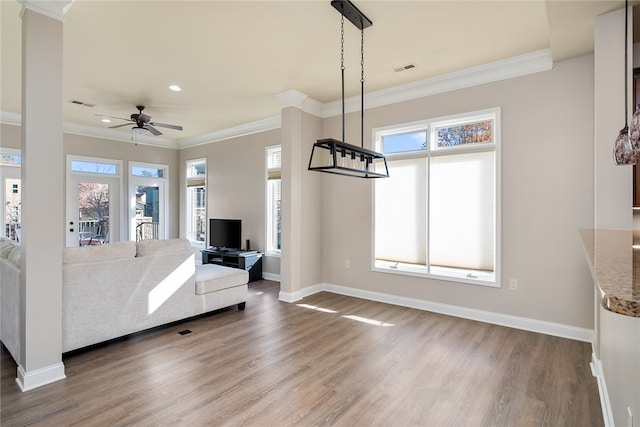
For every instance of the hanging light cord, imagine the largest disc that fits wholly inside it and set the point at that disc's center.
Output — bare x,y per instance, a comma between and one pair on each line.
362,87
626,66
342,68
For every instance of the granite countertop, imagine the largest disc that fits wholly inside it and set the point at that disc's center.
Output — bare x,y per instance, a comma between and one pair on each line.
615,267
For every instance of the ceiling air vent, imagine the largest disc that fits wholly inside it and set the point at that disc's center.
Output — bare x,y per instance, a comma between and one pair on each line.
86,104
406,67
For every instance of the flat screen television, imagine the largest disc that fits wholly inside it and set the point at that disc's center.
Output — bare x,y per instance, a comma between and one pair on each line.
225,234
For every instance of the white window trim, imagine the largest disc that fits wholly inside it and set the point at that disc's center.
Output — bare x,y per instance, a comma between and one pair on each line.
162,183
120,210
489,280
194,243
267,219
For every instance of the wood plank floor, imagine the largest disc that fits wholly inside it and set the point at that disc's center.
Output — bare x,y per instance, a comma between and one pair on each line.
280,364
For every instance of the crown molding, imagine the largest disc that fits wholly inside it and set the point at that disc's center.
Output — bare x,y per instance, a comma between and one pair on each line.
517,66
241,130
55,9
294,98
9,118
118,135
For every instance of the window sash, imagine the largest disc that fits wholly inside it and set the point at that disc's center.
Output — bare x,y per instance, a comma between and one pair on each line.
274,191
274,199
401,213
462,211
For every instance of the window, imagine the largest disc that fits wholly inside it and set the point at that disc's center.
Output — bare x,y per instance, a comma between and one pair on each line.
148,201
93,201
10,161
196,226
274,200
10,158
437,214
97,167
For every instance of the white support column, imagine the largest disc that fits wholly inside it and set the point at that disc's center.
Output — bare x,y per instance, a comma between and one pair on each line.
613,198
42,198
301,257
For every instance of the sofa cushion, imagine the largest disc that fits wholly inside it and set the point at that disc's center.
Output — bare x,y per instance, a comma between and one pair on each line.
157,247
212,277
14,255
111,252
6,246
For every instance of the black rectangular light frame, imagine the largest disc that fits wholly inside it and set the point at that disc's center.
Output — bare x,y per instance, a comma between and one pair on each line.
335,148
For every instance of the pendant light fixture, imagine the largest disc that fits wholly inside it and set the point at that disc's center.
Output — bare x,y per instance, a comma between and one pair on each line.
338,157
626,149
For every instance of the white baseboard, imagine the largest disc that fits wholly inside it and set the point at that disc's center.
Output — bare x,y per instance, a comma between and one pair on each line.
39,377
271,276
297,296
596,370
539,326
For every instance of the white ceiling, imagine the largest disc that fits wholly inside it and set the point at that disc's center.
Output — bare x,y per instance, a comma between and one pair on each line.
233,57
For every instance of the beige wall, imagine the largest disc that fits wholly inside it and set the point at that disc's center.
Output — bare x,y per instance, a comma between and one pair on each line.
10,136
78,145
547,195
236,184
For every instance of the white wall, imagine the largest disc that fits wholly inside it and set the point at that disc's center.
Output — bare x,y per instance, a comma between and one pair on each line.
547,195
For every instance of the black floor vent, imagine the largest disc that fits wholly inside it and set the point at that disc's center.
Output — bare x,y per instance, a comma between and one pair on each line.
185,332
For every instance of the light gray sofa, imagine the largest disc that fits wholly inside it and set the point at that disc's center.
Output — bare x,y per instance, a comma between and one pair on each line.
114,290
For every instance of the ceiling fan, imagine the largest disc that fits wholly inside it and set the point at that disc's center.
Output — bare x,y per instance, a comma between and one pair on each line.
143,123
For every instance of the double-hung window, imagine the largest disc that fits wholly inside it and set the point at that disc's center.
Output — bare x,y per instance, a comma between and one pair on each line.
438,213
274,200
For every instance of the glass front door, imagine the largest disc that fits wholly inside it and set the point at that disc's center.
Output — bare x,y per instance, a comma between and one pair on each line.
12,190
92,211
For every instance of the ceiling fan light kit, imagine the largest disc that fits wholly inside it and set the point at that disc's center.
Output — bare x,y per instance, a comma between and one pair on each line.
139,130
338,157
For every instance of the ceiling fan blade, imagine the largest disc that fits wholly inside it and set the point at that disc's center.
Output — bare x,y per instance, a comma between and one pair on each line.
153,130
119,126
164,125
112,117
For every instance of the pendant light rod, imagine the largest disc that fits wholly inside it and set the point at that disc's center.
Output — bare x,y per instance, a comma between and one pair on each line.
342,68
626,65
361,88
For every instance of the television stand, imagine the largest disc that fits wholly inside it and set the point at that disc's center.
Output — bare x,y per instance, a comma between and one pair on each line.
250,261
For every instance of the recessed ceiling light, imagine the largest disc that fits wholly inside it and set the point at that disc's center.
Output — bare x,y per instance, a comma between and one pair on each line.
105,120
175,88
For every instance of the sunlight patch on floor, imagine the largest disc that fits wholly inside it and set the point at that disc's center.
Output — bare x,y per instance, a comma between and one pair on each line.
351,316
368,321
313,307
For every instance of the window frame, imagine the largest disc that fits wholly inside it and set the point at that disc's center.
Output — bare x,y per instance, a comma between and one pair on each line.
473,277
269,232
161,183
115,179
188,208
